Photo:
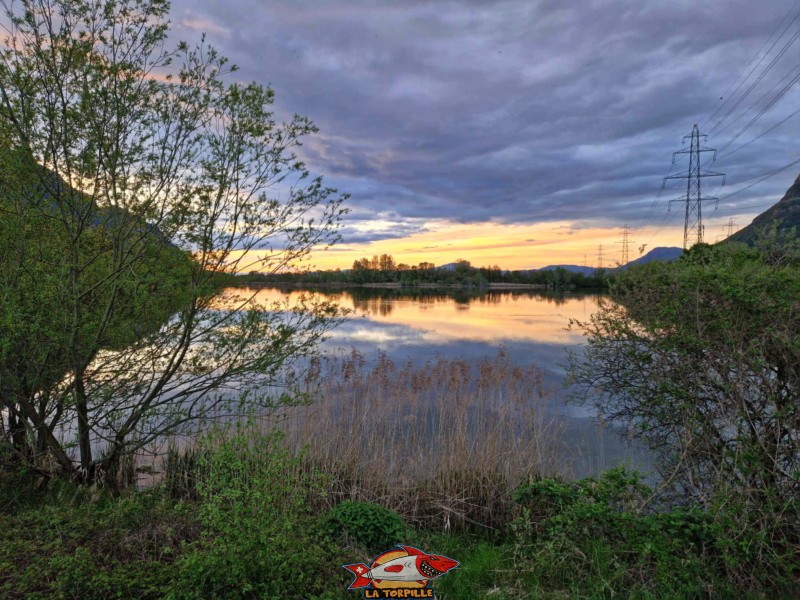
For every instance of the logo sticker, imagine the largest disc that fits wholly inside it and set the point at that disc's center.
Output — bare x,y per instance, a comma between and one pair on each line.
404,572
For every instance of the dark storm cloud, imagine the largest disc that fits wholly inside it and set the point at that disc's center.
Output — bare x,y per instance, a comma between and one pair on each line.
356,235
515,111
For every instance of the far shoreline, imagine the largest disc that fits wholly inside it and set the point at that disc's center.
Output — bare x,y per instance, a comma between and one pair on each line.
394,285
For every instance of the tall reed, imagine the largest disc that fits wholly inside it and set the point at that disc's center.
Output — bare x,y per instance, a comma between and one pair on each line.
443,443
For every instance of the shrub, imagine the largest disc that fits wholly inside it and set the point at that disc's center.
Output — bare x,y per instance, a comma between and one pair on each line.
700,358
592,532
254,508
370,525
66,542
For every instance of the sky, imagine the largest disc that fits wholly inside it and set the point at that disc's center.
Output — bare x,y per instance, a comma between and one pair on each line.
523,133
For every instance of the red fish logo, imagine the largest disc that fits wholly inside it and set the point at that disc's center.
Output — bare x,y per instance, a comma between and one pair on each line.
404,568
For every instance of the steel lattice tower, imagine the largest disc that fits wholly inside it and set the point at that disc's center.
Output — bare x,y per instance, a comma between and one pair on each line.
730,226
693,225
624,242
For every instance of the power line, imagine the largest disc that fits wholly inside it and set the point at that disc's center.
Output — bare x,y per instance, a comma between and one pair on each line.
776,84
772,103
771,129
756,82
725,95
755,205
762,177
767,93
766,70
722,154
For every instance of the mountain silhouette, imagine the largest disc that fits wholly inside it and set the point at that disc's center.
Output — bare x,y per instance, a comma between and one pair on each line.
781,221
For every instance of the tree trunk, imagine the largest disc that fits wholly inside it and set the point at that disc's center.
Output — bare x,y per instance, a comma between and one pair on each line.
84,430
16,430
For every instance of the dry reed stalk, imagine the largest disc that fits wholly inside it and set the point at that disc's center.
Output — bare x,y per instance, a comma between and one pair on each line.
443,444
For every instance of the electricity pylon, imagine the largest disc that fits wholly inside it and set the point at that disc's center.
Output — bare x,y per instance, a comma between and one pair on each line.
730,226
600,257
693,225
624,242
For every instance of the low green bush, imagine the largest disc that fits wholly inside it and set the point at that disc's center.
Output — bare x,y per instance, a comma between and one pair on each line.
70,542
593,533
258,542
366,524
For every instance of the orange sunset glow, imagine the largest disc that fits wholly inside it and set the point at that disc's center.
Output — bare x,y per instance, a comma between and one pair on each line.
486,244
508,246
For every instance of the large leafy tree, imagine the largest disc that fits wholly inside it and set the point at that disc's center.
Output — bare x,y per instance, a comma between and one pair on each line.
701,358
135,174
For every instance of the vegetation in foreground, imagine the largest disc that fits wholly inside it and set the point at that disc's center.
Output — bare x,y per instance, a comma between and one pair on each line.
257,528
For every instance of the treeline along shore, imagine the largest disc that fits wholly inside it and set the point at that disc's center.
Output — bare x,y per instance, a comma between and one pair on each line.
393,285
383,271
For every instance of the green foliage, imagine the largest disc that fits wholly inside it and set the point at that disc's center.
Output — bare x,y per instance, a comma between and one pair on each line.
366,524
253,534
258,527
479,573
64,543
701,358
591,534
618,490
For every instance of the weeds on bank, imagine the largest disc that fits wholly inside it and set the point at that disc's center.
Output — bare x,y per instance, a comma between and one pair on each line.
441,457
254,532
258,528
71,542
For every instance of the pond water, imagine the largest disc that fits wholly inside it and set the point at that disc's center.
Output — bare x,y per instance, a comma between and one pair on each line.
531,326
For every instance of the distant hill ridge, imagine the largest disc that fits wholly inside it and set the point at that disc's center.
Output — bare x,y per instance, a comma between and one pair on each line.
571,268
665,253
661,253
781,220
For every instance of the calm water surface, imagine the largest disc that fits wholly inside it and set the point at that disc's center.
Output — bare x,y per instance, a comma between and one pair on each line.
530,325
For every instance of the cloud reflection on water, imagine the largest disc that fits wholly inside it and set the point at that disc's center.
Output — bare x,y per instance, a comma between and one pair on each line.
532,326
